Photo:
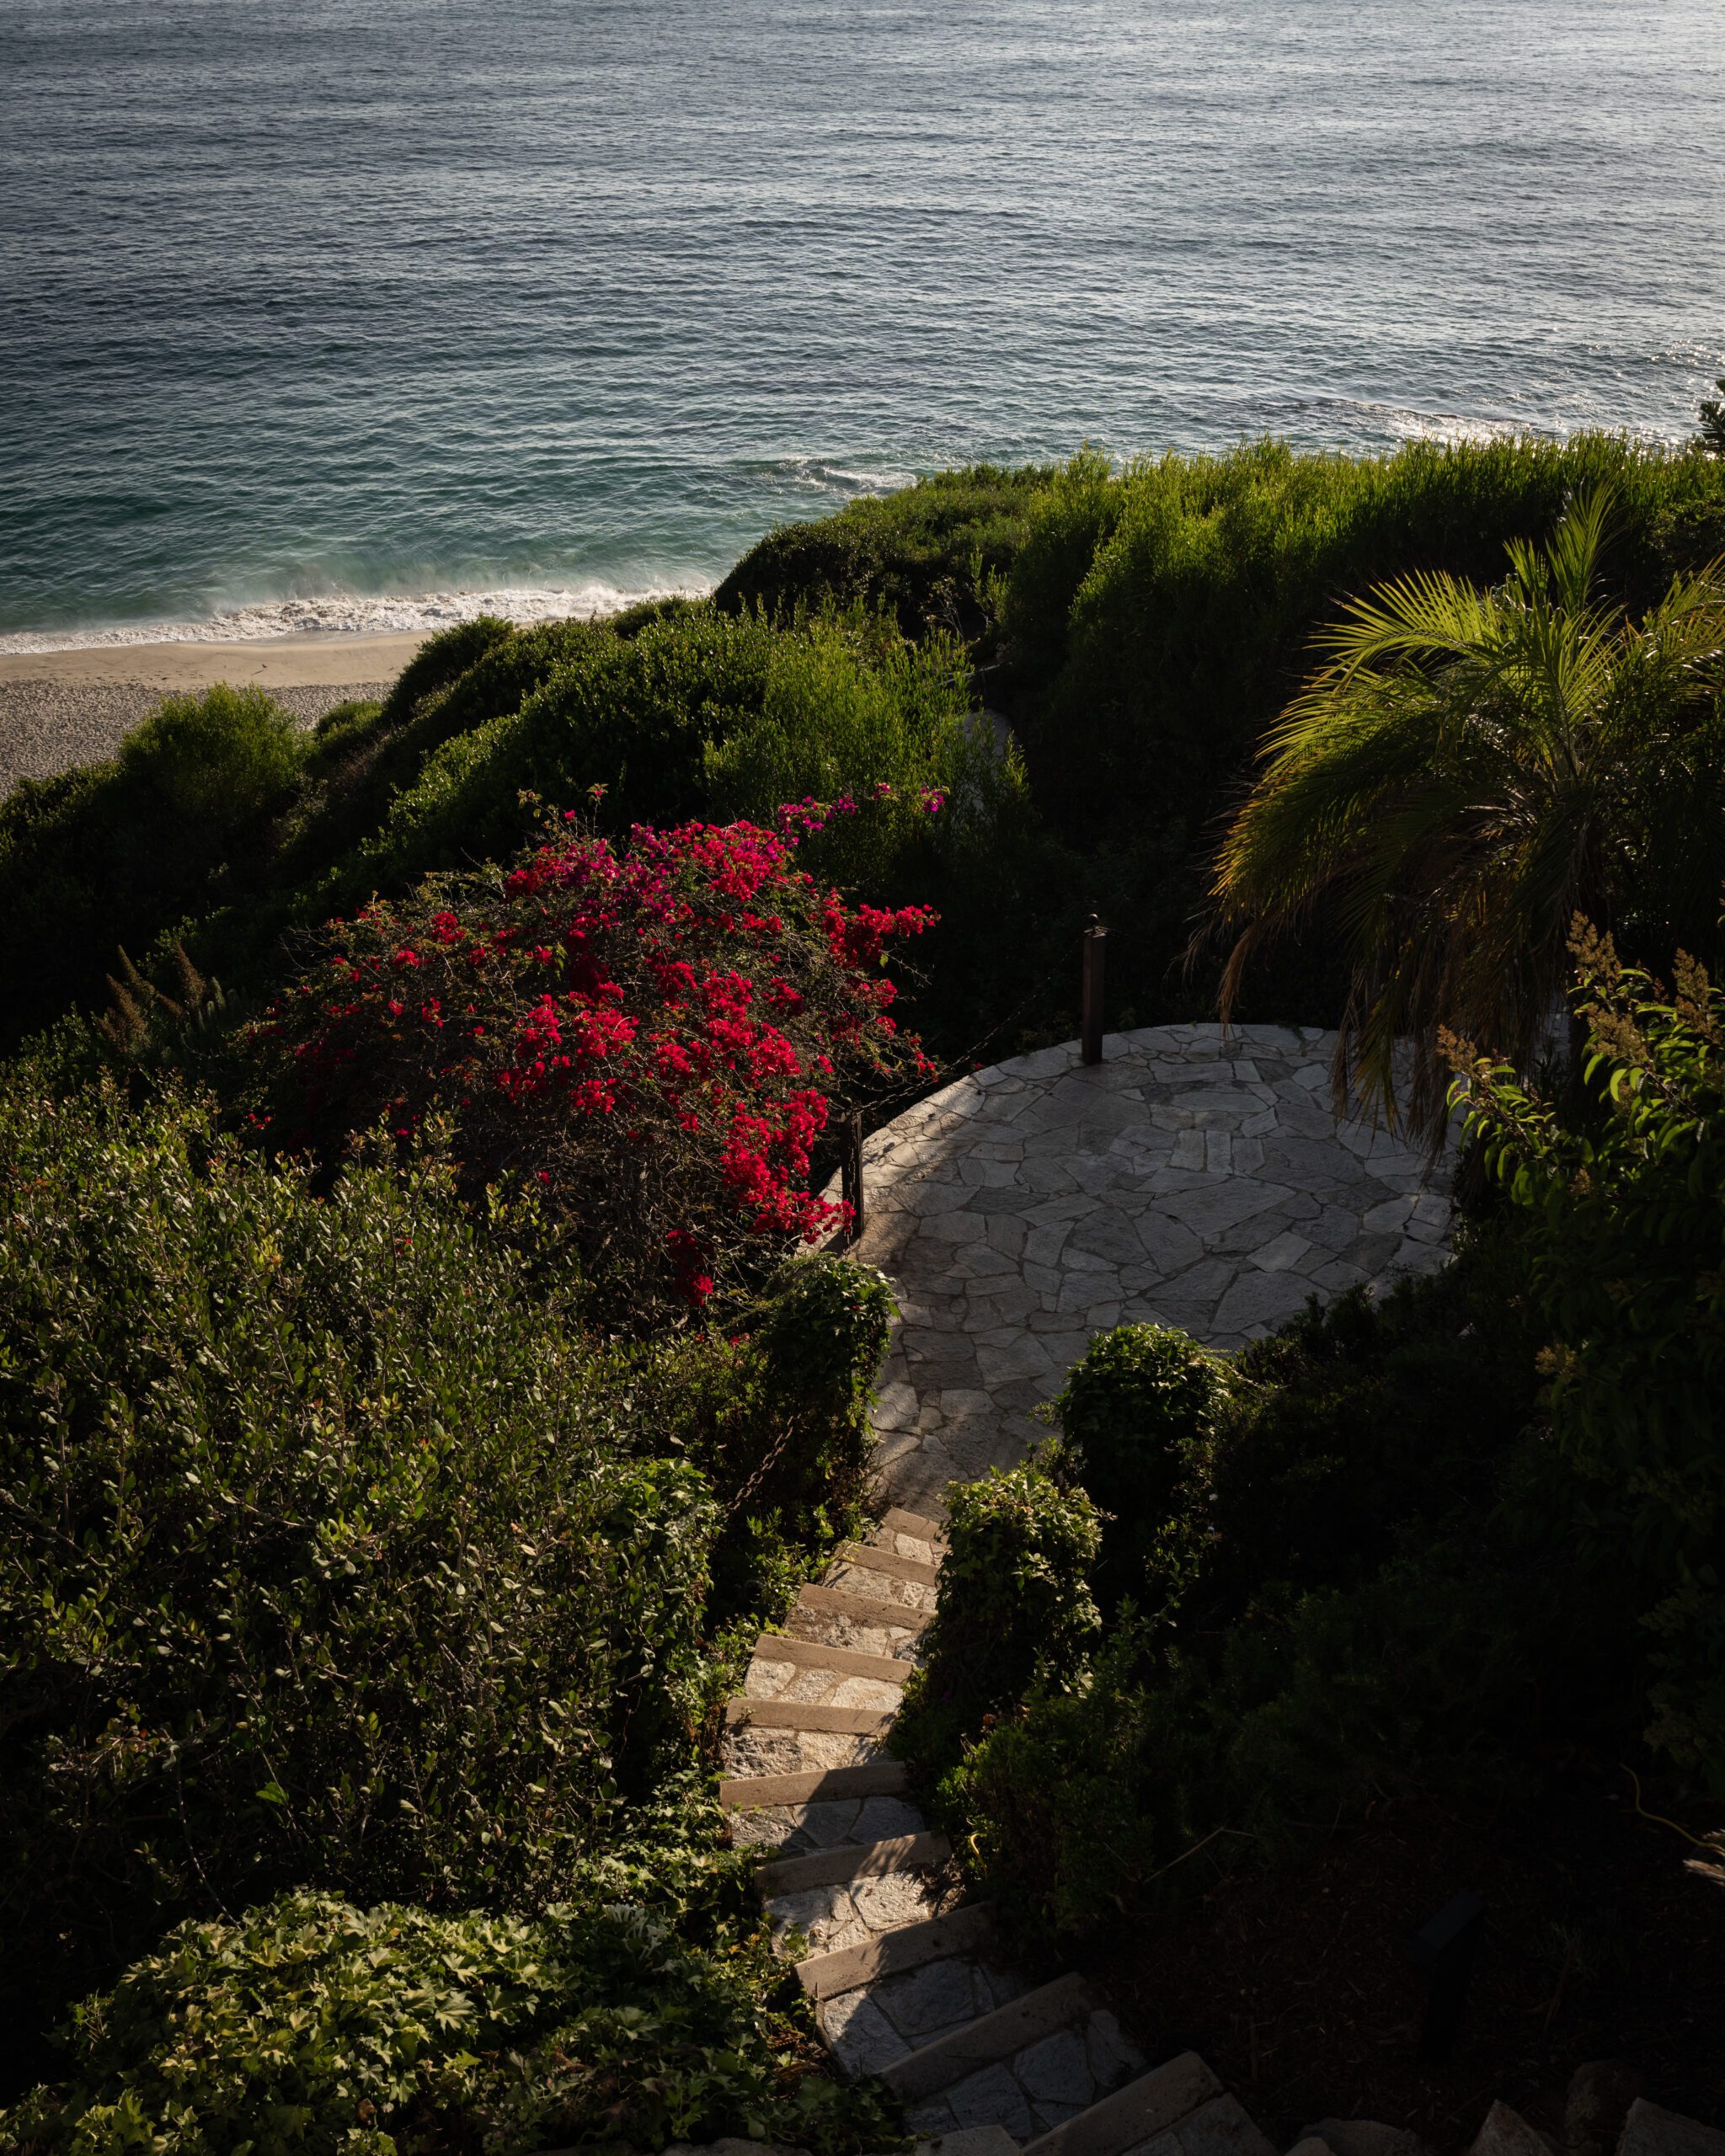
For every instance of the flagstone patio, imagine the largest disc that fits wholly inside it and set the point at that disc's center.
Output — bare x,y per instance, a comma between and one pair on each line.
1189,1179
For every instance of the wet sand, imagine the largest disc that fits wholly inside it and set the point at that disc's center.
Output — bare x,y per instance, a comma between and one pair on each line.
58,708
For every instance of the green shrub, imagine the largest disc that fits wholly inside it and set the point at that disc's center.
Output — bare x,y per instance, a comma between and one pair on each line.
633,715
317,1562
362,773
931,555
1014,1607
211,765
1618,1220
310,2026
1070,1802
115,853
439,663
823,1341
1364,1429
332,1552
1092,1803
1350,1584
1139,1414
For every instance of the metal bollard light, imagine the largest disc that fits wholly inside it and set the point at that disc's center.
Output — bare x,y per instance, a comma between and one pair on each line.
1096,939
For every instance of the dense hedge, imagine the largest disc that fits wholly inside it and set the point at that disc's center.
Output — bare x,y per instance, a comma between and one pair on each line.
1318,1588
309,2025
1146,624
1014,1609
111,853
933,555
332,1552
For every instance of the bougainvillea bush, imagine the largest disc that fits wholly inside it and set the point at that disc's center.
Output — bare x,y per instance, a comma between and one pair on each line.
651,1035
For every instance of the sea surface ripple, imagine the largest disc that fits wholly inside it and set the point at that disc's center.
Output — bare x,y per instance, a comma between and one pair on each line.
335,314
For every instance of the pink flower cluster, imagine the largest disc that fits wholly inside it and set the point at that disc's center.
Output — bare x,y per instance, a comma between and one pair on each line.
653,1032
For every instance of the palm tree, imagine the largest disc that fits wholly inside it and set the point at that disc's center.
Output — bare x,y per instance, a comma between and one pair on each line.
1470,769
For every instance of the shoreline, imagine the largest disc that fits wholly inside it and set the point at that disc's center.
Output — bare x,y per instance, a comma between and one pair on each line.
61,708
327,660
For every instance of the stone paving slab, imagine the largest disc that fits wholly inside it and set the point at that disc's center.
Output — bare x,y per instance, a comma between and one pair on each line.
1189,1179
1038,2087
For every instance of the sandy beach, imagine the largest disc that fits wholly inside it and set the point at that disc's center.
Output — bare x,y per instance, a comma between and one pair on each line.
62,707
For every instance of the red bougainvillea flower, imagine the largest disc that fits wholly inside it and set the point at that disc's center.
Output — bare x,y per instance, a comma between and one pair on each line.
654,1033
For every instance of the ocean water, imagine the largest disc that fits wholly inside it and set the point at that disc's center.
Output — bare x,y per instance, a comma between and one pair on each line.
340,313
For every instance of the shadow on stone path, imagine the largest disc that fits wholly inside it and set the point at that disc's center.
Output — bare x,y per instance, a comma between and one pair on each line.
1187,1180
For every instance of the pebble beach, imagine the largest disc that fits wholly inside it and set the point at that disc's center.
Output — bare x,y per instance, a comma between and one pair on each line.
59,708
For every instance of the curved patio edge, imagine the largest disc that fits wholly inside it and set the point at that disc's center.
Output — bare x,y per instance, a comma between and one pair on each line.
1192,1178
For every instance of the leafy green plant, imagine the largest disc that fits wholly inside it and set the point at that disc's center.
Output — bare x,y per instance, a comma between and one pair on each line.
928,556
309,2026
1618,1215
1139,1414
1711,437
333,1550
1014,1606
116,852
1468,768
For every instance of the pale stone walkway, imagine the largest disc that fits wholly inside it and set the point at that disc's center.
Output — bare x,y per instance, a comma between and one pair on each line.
1187,1180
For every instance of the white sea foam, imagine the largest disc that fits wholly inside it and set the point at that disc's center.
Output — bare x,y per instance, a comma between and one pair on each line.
347,614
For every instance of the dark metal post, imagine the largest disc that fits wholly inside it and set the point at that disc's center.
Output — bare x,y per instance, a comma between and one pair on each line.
1096,938
851,1174
1446,1949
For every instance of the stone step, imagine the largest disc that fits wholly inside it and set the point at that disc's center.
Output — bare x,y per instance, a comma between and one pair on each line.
793,1875
1221,2127
970,2141
1039,2086
803,1714
873,1559
883,1590
818,1786
782,1831
918,1525
855,1913
1652,2130
815,1687
868,2028
1136,2115
821,1654
937,1939
994,2036
869,1610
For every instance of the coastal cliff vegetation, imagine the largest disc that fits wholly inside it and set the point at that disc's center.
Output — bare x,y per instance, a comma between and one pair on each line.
409,1408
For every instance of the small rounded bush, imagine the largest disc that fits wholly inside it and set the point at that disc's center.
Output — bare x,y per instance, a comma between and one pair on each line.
1134,1412
1015,1608
215,762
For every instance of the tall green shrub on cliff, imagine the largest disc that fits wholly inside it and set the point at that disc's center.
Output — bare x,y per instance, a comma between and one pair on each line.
110,854
931,555
332,1552
1620,1219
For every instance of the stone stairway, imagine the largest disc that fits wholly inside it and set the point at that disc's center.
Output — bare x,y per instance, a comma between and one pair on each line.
907,1980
